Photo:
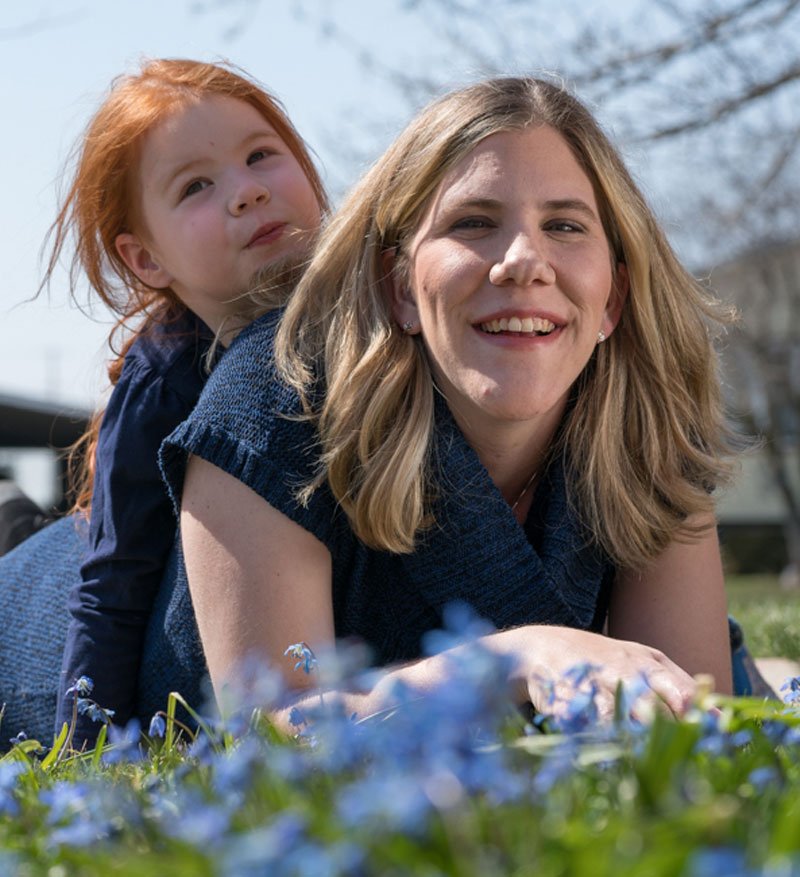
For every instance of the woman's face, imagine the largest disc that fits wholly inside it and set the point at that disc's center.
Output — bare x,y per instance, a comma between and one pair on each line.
510,279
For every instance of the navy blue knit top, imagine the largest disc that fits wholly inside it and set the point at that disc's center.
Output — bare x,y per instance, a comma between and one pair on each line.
132,524
546,572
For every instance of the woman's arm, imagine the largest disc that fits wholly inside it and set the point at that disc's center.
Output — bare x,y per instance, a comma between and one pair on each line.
678,606
259,582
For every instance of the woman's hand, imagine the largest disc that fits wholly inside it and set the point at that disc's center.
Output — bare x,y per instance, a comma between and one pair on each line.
544,654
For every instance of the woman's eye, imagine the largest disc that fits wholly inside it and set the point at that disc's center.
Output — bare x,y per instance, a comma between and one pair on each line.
194,187
564,225
473,222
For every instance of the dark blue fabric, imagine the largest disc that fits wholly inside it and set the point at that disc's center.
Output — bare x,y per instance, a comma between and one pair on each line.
477,552
132,525
35,578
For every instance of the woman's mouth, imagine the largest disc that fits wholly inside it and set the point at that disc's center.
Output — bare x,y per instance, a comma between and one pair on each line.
521,325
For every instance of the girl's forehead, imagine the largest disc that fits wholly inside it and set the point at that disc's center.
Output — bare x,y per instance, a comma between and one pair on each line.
204,129
212,113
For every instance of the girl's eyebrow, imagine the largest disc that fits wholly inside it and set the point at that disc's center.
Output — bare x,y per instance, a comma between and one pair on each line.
171,174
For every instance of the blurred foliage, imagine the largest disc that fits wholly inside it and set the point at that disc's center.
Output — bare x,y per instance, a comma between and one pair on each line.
455,784
768,614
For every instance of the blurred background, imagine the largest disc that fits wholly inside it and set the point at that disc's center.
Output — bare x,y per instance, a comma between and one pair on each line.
700,95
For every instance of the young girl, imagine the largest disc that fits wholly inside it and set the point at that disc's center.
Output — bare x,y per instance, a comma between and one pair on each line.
191,185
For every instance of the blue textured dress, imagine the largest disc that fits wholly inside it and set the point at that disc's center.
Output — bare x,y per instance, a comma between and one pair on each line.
546,572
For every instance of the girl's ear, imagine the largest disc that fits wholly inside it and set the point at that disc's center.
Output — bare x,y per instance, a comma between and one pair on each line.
616,300
140,260
398,291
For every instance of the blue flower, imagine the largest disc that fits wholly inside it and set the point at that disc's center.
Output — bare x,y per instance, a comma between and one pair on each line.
82,686
82,832
264,850
297,717
96,713
234,769
9,771
192,819
64,800
19,738
125,743
713,861
558,764
305,656
762,777
158,727
792,689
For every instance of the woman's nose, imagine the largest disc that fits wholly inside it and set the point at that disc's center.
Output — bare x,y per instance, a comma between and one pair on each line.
523,262
246,194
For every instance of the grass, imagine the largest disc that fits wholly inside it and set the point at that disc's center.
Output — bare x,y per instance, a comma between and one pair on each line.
769,616
458,783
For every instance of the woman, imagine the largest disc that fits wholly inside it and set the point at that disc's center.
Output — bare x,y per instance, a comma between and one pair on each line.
494,384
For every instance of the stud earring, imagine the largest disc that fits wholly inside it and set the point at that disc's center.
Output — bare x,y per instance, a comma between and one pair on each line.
601,337
408,326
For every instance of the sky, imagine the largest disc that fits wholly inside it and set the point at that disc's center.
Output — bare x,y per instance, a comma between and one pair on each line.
57,58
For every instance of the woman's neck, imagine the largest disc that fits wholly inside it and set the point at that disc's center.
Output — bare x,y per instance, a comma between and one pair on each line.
513,453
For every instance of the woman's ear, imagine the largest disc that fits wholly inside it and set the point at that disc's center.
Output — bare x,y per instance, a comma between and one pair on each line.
616,300
140,260
398,291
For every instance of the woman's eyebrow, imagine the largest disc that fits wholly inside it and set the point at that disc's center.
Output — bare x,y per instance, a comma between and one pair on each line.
493,204
468,203
570,204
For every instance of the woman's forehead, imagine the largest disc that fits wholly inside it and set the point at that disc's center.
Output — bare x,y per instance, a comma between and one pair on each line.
534,162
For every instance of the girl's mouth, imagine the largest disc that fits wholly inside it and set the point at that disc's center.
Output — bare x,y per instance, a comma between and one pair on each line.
521,325
266,234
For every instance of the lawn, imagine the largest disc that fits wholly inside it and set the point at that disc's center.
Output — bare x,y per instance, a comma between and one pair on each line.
769,616
459,783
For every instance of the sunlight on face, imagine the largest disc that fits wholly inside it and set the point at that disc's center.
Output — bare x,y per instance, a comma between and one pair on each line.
510,280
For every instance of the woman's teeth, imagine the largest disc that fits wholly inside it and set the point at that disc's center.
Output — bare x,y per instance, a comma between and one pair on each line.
526,325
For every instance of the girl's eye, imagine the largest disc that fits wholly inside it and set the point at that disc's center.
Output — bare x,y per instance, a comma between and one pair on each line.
258,155
194,187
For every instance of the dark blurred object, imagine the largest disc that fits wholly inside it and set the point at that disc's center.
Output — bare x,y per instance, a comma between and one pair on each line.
20,517
28,423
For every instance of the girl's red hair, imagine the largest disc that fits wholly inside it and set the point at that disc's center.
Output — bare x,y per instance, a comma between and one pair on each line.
102,203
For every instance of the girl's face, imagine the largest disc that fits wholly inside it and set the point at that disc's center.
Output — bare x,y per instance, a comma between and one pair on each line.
510,280
221,196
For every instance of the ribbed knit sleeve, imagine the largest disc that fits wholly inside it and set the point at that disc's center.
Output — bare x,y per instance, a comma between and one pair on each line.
246,423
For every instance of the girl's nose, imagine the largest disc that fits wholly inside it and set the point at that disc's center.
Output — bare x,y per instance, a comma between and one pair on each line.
247,195
523,262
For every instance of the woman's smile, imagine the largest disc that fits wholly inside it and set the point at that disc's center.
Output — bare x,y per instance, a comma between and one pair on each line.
516,325
510,279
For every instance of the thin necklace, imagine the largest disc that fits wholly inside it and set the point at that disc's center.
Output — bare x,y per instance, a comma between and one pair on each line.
525,489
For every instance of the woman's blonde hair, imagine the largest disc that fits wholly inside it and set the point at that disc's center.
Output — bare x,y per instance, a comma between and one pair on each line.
645,441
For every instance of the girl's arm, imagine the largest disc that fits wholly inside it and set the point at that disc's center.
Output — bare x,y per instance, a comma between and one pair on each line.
260,582
678,605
